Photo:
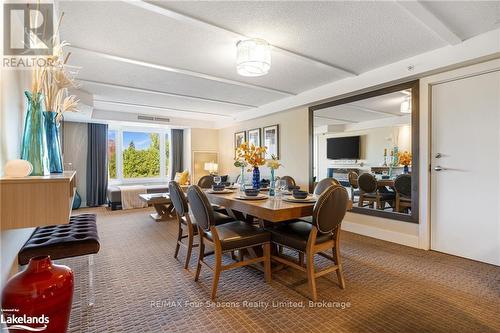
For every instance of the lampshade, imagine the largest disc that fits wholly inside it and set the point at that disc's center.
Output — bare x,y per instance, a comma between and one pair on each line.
406,105
211,167
253,57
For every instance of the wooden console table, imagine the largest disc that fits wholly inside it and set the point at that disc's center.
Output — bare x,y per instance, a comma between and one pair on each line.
36,200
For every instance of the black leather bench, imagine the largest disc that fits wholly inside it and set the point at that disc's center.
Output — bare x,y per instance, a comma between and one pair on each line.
77,238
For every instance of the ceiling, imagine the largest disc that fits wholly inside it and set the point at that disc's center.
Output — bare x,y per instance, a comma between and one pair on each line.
379,107
177,59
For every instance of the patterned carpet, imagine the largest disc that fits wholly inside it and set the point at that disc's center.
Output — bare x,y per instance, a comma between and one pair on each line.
389,288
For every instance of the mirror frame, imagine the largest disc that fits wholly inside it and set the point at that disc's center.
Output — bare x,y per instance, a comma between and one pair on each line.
415,118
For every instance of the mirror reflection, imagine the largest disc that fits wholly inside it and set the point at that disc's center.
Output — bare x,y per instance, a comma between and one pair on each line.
367,146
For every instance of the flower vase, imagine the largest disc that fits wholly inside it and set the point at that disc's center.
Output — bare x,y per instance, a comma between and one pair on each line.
53,143
406,170
34,143
272,184
42,292
256,178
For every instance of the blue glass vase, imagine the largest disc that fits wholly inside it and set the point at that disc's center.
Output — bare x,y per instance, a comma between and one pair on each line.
256,178
77,201
34,144
53,143
272,184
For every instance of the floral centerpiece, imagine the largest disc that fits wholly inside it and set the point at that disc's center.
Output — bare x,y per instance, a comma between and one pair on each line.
405,160
273,164
254,156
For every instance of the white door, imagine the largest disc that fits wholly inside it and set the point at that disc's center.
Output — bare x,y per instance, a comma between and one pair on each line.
465,167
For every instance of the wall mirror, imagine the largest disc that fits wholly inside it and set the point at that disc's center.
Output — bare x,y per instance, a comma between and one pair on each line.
369,142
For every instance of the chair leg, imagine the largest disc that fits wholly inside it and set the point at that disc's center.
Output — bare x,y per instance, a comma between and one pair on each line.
201,255
310,275
267,262
91,297
340,272
217,271
301,258
179,239
189,246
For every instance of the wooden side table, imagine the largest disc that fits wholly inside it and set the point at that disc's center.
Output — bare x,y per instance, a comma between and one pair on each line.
162,204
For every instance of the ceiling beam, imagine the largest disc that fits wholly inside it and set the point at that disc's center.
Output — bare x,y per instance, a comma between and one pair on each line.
362,108
177,70
218,29
162,108
427,18
338,119
157,92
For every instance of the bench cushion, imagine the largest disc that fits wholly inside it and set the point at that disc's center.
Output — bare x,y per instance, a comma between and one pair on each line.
78,237
115,195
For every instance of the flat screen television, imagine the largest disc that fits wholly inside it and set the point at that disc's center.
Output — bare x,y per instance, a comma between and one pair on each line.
343,148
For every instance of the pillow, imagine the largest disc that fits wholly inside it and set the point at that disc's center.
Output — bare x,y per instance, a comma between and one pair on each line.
181,177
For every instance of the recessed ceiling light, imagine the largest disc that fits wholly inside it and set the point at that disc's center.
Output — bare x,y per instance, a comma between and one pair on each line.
253,57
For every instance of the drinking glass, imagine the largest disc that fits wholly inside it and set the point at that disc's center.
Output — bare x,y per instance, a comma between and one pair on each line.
217,180
278,186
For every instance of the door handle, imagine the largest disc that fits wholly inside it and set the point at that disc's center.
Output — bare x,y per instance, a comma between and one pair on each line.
438,168
438,155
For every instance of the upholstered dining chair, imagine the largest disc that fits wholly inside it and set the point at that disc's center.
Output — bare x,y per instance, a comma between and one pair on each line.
227,237
371,194
403,193
320,187
206,181
185,223
314,238
352,176
289,181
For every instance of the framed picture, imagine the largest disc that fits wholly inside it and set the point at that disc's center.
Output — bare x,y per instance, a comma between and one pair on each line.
254,137
272,141
239,138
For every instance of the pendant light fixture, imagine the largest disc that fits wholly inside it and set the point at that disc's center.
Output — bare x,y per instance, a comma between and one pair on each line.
253,57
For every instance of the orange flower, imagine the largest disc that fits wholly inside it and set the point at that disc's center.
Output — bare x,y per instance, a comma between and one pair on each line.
251,154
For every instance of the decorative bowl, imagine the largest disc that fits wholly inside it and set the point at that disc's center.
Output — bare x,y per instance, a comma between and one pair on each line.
218,188
251,192
298,194
292,188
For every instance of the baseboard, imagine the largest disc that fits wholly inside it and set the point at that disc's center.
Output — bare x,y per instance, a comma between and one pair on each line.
383,234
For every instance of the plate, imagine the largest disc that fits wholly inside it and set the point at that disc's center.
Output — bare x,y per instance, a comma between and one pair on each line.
309,199
225,191
258,197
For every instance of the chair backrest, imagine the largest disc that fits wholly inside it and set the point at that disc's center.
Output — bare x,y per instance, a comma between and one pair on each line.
289,180
178,198
324,184
200,207
367,183
330,209
353,179
206,181
403,185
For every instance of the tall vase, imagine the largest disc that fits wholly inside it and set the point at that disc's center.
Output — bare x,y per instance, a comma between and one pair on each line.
272,184
53,143
44,291
406,170
256,178
34,143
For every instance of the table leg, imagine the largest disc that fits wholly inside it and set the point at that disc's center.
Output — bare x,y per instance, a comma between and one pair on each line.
163,212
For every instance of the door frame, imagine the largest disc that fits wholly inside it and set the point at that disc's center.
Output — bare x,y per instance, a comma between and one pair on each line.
426,85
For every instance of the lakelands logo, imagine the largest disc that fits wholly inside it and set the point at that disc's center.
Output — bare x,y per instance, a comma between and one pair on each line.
24,322
28,36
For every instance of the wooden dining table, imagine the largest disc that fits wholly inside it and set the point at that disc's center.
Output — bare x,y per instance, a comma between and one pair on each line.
270,209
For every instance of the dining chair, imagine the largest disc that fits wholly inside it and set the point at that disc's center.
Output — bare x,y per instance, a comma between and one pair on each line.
320,187
206,181
314,238
370,193
352,176
289,181
185,224
402,184
224,238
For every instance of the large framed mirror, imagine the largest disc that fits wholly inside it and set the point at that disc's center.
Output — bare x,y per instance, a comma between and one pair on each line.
369,143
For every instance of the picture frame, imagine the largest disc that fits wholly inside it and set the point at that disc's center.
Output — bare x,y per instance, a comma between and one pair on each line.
271,140
239,138
254,137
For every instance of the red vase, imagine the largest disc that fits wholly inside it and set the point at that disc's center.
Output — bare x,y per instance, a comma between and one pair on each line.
39,296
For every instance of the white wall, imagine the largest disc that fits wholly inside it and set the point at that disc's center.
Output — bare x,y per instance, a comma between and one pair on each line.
75,143
13,84
294,144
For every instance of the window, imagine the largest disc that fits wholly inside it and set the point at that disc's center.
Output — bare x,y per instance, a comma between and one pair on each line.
138,155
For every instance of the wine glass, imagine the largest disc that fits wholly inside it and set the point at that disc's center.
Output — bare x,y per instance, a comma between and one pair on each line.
278,185
217,179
